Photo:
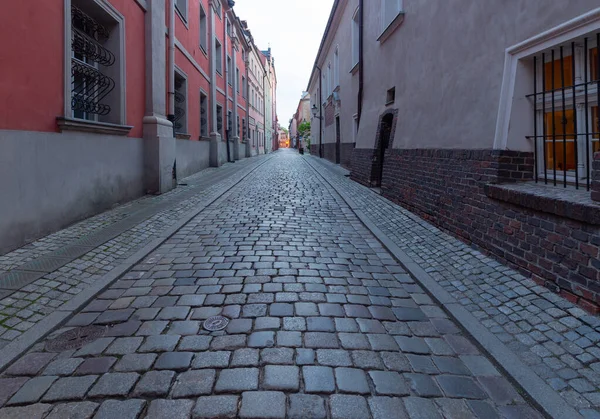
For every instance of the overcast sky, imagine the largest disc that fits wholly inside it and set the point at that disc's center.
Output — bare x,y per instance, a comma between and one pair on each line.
294,29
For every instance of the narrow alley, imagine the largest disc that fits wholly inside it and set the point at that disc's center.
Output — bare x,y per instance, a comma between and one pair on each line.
318,320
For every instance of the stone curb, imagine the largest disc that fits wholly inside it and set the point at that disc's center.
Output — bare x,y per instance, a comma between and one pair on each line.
15,349
541,395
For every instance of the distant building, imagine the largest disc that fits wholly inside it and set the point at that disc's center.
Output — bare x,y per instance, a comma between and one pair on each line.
93,110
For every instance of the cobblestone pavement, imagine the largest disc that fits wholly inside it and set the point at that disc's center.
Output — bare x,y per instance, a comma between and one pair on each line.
558,340
324,323
23,309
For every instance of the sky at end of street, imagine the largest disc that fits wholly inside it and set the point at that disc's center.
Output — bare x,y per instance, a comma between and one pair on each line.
293,29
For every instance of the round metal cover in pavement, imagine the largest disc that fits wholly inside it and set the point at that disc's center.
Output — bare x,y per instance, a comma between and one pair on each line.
75,338
215,323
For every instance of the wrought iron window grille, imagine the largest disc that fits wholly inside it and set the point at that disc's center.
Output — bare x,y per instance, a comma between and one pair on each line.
89,85
566,112
179,110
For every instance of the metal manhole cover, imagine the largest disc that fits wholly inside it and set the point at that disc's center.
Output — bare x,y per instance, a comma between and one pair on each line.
215,323
75,338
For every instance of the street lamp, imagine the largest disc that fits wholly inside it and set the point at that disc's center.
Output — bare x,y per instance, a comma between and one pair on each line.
315,111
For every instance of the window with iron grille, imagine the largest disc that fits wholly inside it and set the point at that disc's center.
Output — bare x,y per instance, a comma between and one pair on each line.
203,115
219,56
218,8
180,121
92,65
565,99
203,30
229,71
220,120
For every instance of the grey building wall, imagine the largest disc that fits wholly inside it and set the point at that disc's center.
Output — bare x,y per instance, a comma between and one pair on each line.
192,156
446,61
52,180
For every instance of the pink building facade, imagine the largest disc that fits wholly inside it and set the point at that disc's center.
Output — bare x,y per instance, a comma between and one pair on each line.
103,105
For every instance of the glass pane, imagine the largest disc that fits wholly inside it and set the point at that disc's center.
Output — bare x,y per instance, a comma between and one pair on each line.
561,119
568,72
595,75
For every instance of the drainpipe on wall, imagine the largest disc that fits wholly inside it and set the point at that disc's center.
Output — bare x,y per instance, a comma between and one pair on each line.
320,99
227,70
171,115
360,59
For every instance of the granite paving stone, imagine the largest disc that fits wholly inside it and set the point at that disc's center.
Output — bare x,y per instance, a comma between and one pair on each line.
193,383
127,409
154,384
96,365
283,378
69,388
387,407
174,409
77,410
237,380
302,406
216,407
32,391
263,405
352,380
114,384
348,407
318,379
323,321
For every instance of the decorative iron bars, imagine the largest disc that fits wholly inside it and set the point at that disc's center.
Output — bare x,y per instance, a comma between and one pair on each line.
89,85
566,83
179,111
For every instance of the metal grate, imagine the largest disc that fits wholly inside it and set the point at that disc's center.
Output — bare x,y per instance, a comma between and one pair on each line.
89,85
75,338
566,112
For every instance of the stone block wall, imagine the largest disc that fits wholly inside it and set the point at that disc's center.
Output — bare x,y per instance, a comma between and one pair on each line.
448,188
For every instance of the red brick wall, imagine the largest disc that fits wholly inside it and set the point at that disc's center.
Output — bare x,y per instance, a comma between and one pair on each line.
447,188
596,178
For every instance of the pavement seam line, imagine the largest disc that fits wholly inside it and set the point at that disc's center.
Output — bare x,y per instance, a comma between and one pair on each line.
14,350
539,393
141,213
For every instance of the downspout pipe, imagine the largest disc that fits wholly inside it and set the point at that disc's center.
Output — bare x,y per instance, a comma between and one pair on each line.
171,114
227,70
360,59
320,99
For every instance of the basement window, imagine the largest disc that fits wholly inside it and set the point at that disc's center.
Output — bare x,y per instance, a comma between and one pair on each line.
391,96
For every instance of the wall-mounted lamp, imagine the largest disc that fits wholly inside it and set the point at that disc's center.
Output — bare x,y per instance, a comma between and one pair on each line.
315,111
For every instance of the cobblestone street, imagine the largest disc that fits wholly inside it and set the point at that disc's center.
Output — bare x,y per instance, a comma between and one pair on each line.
324,323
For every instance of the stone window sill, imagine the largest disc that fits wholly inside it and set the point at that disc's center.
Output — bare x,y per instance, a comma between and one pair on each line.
73,124
391,28
354,69
569,202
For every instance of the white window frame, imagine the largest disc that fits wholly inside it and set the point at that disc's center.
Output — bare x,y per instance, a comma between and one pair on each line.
336,67
390,9
355,38
203,31
218,56
515,113
183,14
119,116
